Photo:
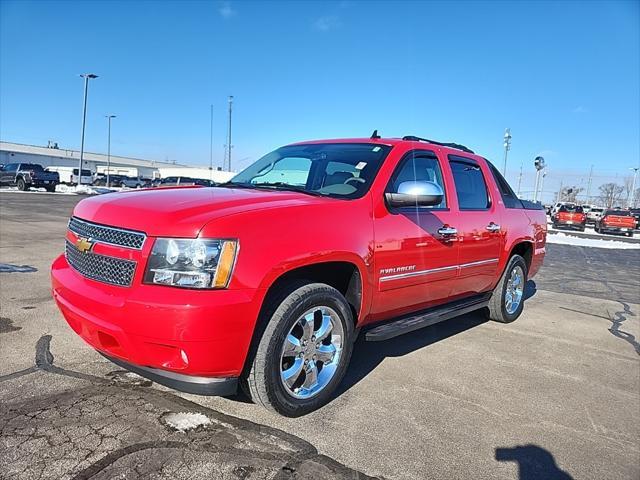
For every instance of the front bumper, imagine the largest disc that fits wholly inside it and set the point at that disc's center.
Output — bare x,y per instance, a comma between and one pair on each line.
195,341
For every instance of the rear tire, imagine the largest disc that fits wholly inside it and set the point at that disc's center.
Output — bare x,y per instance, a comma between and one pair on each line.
51,188
507,300
268,382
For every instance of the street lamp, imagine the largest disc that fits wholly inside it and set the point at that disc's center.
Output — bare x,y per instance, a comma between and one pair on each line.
86,77
507,147
538,162
109,117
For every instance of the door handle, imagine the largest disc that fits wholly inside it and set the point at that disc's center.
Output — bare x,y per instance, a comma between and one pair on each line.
493,227
447,231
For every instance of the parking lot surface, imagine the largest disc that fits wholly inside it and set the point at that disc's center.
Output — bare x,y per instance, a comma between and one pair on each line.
556,394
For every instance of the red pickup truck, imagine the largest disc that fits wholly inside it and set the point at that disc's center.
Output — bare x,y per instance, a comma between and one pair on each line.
265,281
571,216
618,221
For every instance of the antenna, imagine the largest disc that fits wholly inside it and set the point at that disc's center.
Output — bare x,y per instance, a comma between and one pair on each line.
374,135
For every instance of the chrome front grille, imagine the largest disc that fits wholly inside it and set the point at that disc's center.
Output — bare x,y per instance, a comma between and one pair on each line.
104,234
115,271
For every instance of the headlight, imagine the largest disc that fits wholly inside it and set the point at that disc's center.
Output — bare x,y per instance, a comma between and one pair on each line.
191,263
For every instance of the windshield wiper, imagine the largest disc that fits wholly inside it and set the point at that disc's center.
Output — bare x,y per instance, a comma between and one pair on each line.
287,187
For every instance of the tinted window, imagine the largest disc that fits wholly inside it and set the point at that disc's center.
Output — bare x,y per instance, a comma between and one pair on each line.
31,166
509,198
11,167
471,188
571,209
421,167
618,213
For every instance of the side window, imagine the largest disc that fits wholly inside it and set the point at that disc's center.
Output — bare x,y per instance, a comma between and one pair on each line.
12,167
470,185
509,198
422,167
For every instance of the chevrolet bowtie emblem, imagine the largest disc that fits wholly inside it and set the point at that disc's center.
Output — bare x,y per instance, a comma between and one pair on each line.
84,244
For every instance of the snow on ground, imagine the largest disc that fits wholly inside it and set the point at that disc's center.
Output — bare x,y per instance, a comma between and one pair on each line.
564,239
184,421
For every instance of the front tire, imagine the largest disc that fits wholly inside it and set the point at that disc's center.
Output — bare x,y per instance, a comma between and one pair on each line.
507,300
22,185
304,351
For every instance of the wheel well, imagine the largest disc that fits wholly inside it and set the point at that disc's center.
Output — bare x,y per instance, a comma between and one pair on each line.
343,276
525,250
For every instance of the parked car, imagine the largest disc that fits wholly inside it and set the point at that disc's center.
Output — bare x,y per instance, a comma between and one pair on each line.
69,175
594,215
27,175
267,283
184,181
635,213
115,180
616,221
571,216
136,182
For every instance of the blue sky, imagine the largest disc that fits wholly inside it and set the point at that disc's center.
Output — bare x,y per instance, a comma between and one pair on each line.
564,76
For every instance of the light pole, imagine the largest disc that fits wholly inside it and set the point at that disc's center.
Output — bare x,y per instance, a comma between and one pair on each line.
211,148
507,147
86,77
538,162
632,193
109,117
229,133
544,174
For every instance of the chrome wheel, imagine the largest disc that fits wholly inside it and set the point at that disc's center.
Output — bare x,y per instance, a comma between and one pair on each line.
514,291
311,352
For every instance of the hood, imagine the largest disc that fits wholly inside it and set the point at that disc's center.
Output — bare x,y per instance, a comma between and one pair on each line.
183,211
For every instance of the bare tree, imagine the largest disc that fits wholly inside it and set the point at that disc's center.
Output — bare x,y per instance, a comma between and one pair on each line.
569,194
611,194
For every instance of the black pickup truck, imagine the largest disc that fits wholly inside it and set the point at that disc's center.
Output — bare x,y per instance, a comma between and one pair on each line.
27,175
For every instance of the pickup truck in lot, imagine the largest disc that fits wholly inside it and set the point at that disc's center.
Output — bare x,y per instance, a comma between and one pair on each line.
27,175
265,281
616,221
570,216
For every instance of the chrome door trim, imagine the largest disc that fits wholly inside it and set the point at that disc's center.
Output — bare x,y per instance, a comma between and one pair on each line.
400,276
481,262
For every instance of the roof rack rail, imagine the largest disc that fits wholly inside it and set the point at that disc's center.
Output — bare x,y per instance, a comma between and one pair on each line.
413,138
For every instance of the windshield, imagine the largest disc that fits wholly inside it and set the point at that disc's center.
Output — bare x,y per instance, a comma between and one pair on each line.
341,170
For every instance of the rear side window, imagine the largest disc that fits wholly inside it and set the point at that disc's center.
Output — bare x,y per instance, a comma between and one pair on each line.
421,167
471,188
509,198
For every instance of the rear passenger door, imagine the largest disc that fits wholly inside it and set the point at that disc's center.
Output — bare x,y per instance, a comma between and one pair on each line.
478,222
8,174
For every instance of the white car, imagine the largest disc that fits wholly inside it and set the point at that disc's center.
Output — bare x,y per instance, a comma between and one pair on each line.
594,214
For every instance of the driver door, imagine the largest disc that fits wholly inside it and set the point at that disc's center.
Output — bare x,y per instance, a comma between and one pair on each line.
416,262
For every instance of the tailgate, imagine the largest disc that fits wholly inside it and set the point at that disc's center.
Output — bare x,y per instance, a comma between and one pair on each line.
619,221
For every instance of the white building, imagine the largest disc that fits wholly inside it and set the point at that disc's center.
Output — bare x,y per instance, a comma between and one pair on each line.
96,162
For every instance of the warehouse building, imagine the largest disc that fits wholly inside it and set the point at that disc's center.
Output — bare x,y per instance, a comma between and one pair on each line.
53,156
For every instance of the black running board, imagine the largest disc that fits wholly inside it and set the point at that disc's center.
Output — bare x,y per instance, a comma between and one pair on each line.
395,328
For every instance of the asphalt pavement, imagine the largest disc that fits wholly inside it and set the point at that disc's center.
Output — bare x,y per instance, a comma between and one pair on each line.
555,394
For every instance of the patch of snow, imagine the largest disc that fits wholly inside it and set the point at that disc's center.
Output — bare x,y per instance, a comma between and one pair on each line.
564,239
184,421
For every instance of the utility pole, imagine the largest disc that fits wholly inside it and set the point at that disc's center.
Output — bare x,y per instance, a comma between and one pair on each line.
632,194
109,117
589,184
507,147
211,148
559,193
519,180
86,77
229,133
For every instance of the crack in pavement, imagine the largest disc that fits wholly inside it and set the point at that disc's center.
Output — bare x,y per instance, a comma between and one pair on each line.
617,321
104,430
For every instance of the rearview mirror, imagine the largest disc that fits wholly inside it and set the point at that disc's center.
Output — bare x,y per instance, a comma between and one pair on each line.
416,193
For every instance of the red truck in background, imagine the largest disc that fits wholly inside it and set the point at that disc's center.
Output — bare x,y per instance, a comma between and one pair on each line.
265,281
571,216
616,221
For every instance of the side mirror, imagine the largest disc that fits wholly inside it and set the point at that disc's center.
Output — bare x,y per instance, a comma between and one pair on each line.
416,193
